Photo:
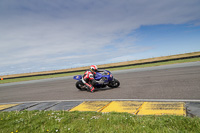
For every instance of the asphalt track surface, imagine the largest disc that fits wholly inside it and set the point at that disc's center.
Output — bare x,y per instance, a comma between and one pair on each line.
178,82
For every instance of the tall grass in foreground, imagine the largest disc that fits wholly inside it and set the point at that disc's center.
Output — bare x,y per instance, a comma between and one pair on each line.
86,122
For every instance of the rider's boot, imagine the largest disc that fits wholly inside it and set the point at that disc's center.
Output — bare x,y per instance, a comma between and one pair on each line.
90,87
92,90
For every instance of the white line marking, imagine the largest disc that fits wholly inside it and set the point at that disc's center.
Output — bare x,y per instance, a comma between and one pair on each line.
145,100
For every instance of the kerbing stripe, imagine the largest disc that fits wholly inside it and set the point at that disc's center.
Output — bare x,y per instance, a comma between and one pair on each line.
139,108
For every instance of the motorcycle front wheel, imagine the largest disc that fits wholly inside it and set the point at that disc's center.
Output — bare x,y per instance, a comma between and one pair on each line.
80,85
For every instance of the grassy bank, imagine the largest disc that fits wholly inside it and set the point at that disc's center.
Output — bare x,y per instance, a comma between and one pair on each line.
112,69
162,58
158,64
76,122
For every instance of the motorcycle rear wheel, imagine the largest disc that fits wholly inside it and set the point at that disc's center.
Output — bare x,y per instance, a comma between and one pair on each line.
114,84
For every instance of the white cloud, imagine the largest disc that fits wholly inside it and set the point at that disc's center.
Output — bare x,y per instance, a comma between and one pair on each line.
39,31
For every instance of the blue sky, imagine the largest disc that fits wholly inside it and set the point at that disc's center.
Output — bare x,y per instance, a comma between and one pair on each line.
42,35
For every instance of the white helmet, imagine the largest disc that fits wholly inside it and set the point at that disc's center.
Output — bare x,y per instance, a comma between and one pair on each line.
93,68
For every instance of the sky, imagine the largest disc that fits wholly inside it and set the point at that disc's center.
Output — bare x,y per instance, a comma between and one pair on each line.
43,35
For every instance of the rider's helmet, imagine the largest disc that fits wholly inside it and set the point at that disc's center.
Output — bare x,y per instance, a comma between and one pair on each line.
93,68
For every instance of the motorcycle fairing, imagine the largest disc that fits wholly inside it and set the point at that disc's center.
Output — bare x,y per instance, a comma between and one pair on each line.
98,76
106,76
77,77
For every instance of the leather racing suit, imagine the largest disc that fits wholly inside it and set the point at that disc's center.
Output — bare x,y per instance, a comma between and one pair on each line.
88,80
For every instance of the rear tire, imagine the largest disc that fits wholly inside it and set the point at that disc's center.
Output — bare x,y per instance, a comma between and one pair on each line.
80,85
114,84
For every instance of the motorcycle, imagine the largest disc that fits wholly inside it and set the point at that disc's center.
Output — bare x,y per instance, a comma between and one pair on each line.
106,77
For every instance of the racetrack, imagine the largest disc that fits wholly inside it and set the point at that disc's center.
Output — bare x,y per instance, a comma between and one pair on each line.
180,81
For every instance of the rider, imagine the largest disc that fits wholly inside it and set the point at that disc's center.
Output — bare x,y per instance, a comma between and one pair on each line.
88,78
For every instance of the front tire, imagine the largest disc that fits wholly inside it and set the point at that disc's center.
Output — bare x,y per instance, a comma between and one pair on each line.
80,85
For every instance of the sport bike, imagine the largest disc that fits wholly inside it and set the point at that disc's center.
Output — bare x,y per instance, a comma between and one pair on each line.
106,77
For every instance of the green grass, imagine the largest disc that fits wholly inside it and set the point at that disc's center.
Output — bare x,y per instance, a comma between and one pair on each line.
86,122
112,69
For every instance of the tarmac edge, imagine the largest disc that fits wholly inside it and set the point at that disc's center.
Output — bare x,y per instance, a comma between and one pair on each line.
189,108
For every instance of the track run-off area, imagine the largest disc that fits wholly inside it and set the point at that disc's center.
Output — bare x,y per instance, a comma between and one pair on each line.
168,89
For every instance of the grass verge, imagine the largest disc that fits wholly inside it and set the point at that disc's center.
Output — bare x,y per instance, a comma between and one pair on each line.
111,69
76,122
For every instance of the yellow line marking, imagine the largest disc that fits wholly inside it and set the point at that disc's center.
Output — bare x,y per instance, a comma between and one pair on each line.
162,108
5,106
123,106
104,107
134,107
136,112
91,106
